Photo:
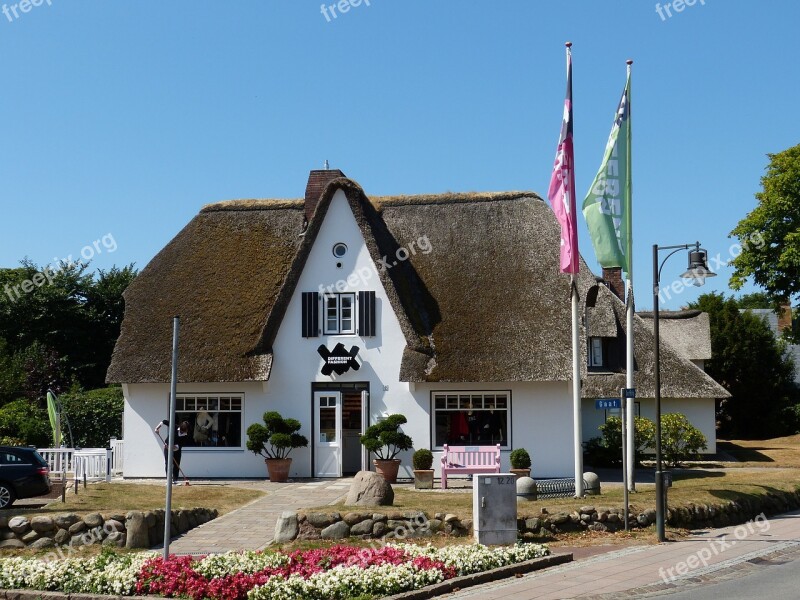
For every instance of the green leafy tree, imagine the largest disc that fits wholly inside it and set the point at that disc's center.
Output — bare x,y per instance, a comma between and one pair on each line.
385,440
95,416
749,362
24,424
276,438
770,233
680,440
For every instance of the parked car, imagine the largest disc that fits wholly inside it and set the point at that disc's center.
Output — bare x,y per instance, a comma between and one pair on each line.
23,474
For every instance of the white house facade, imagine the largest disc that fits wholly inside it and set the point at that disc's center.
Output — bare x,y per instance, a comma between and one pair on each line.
339,310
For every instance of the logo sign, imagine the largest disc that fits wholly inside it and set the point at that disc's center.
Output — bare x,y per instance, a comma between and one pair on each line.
629,392
606,403
339,360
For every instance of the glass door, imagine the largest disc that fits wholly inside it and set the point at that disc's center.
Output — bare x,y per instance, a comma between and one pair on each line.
328,434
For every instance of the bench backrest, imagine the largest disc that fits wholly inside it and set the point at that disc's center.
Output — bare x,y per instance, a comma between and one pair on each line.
471,456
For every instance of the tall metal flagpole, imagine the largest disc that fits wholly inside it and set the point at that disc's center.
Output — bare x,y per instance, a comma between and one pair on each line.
576,345
629,359
171,436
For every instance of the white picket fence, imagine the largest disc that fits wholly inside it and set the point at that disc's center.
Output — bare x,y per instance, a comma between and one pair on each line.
98,464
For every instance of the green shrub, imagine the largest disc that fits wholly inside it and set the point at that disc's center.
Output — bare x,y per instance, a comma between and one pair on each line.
520,459
422,459
606,451
95,416
385,439
276,438
25,423
680,440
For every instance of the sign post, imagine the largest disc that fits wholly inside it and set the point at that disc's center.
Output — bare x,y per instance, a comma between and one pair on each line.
624,458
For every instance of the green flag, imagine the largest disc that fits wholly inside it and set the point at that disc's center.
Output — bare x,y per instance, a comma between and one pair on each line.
52,412
607,206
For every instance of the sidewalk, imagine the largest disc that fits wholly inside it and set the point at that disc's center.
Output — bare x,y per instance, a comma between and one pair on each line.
251,527
648,569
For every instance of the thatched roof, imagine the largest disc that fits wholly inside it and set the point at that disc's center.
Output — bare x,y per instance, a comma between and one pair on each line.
680,378
688,331
488,303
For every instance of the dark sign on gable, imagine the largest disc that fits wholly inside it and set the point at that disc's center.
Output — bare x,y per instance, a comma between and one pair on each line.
338,360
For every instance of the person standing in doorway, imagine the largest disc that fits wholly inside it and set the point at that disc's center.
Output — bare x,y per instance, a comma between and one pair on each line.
181,440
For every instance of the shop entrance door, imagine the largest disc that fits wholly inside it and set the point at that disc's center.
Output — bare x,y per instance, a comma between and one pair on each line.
327,434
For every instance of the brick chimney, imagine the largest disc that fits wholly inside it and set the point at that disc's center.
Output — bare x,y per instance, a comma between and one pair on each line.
613,278
317,180
785,318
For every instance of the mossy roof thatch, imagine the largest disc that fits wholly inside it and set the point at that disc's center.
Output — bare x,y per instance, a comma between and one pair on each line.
487,303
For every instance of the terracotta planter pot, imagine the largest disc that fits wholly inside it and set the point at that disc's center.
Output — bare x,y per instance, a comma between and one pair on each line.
521,472
278,469
423,479
387,469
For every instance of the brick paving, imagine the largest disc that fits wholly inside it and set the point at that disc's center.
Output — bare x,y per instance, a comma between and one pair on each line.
638,571
252,526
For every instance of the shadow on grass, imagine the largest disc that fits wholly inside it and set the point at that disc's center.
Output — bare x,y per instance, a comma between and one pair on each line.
745,454
687,474
753,496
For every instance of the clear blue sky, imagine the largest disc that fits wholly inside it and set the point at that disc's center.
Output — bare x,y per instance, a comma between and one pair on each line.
124,118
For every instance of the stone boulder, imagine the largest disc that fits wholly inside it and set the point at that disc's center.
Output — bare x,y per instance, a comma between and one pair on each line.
337,531
137,534
369,489
19,524
287,528
42,524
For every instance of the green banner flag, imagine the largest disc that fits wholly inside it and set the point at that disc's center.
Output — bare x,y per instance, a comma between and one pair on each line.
52,412
607,206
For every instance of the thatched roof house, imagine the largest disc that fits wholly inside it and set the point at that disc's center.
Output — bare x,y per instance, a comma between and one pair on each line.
478,303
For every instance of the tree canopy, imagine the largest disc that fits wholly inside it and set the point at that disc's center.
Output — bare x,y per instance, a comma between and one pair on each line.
749,362
770,234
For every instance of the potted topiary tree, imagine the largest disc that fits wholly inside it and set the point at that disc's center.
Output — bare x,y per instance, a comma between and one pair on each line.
386,441
274,440
423,474
520,462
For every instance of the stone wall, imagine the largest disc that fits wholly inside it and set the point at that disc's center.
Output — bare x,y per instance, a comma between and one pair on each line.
136,529
398,526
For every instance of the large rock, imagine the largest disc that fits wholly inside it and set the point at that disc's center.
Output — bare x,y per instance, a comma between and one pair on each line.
15,543
19,524
137,535
93,520
369,489
362,528
42,524
287,528
337,531
65,521
42,543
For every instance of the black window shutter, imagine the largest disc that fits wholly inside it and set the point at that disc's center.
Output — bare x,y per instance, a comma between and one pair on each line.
310,314
366,314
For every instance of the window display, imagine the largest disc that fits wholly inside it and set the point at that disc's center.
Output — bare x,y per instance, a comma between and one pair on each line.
479,418
215,421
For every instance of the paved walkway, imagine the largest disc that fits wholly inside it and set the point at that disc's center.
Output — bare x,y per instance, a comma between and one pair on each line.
252,526
643,570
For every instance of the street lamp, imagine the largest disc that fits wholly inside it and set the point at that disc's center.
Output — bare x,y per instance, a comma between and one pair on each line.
698,272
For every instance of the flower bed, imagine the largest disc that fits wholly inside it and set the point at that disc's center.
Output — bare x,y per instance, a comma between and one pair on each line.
339,572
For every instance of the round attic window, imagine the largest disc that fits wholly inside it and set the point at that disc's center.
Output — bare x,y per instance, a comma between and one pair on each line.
339,250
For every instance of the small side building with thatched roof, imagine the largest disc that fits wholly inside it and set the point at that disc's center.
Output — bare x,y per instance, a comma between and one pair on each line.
339,309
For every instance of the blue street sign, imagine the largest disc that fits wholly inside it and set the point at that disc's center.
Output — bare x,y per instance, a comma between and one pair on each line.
629,393
606,403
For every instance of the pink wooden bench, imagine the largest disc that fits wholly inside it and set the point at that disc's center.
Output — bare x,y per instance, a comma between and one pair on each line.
460,460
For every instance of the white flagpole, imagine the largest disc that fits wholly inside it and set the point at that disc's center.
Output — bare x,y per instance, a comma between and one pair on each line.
629,358
576,345
576,390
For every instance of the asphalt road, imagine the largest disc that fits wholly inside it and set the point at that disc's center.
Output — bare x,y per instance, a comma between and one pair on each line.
770,578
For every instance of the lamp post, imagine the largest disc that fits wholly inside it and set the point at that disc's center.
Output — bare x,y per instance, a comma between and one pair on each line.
698,272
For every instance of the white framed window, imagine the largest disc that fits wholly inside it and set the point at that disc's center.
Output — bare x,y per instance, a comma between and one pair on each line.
596,352
339,314
215,420
471,418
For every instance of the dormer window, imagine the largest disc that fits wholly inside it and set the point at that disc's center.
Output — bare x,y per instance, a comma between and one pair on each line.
349,313
596,354
339,311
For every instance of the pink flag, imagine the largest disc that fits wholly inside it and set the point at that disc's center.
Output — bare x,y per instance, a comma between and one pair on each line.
562,184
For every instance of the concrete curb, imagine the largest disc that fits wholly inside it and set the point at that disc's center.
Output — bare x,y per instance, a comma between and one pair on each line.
465,581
